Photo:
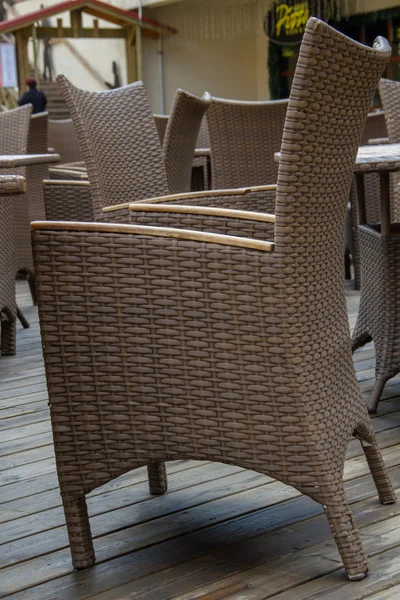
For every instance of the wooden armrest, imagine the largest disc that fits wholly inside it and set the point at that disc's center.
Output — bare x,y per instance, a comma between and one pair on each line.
199,236
377,141
203,210
193,195
66,182
12,184
69,172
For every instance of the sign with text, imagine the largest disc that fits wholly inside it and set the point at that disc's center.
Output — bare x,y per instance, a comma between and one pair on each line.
286,21
8,66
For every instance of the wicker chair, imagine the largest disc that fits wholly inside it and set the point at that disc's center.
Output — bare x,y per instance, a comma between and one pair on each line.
14,131
212,347
9,185
63,138
180,139
132,149
201,173
243,138
161,124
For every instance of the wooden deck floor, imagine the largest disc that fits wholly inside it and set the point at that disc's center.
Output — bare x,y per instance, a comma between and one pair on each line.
219,533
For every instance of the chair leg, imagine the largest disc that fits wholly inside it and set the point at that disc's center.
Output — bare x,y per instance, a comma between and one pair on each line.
22,319
157,478
376,394
32,287
79,534
347,538
378,470
8,328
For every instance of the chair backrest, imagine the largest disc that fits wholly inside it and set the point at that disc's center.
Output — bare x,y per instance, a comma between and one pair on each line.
375,127
243,138
119,143
332,90
180,139
203,139
14,129
161,124
63,138
38,134
389,92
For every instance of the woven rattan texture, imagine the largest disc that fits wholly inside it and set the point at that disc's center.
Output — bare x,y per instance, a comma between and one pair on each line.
257,201
14,128
201,179
119,143
65,174
180,139
9,185
243,139
375,127
212,224
63,138
390,95
378,316
161,124
68,203
159,348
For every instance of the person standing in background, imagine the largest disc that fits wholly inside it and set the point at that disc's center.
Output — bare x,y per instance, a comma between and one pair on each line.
33,96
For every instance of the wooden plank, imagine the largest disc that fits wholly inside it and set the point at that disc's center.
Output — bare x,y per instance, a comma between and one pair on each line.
86,32
229,540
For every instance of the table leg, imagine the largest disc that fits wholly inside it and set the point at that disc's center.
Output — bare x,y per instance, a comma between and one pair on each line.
385,202
362,213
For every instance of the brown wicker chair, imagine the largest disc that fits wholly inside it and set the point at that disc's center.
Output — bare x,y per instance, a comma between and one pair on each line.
201,173
14,130
9,185
380,256
180,139
142,167
63,138
243,138
161,124
212,347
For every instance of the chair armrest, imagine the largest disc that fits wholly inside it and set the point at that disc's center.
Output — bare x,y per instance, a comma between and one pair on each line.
239,223
57,173
67,200
257,198
200,236
12,185
377,141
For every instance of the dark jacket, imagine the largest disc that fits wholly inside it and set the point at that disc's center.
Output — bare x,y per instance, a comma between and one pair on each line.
35,97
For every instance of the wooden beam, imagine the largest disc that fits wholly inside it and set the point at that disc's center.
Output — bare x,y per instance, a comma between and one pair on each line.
76,23
96,31
21,43
59,29
139,60
130,40
68,32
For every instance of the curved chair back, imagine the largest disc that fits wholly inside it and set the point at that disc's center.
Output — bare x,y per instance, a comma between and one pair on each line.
14,128
38,134
243,138
161,124
119,143
325,119
63,138
389,92
180,139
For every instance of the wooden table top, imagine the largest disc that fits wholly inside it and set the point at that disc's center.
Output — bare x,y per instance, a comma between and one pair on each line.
374,158
8,161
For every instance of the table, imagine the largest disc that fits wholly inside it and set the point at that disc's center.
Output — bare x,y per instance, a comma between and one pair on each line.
379,315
